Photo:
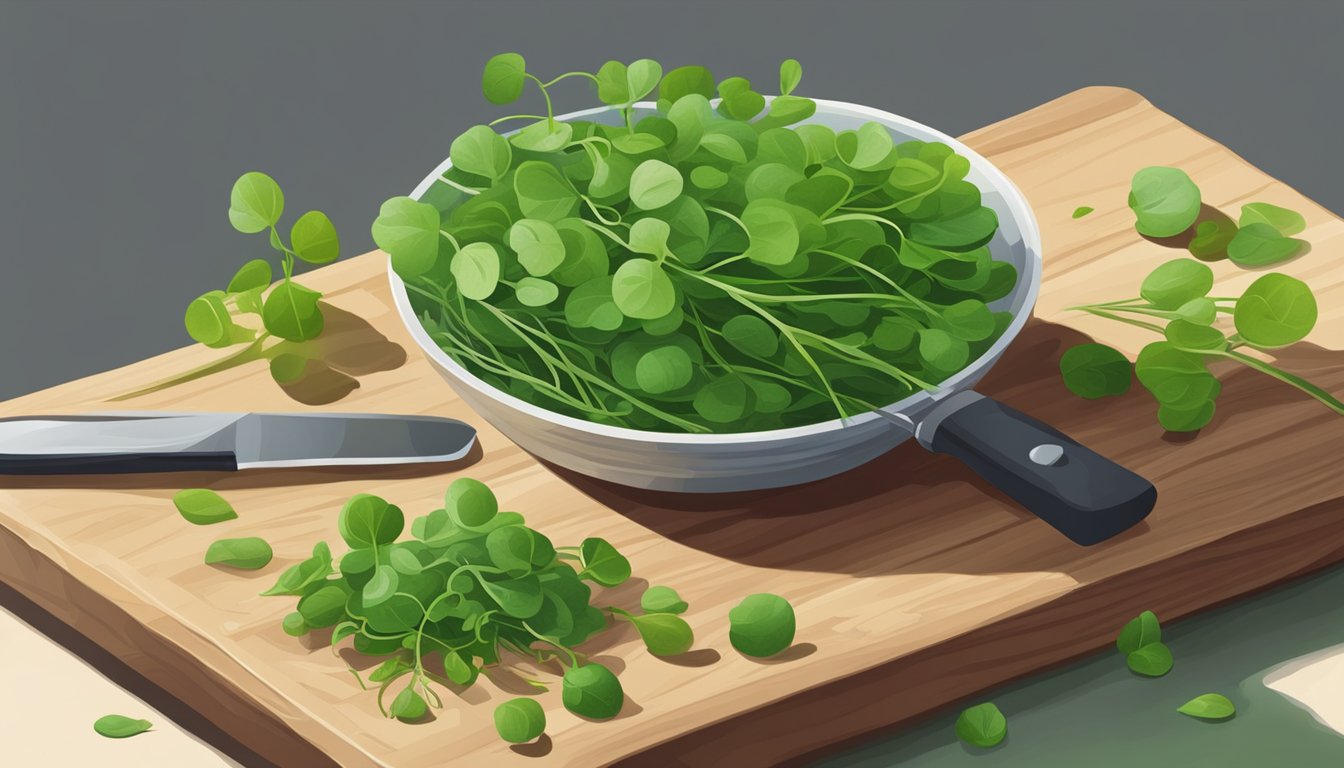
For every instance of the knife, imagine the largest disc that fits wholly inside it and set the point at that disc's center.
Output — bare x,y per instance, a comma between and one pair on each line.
189,442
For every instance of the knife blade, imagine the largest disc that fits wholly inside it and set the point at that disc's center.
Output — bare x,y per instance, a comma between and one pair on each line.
107,443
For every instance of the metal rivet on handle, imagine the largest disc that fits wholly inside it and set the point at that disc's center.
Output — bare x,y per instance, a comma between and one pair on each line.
1046,454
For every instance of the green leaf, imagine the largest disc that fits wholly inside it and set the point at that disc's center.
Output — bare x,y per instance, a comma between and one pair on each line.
982,725
585,256
535,292
658,599
1199,311
819,141
637,143
773,233
403,561
389,670
470,503
481,151
1260,245
751,335
408,705
291,312
642,289
538,245
1095,370
255,203
511,548
663,369
503,79
458,669
1212,238
543,193
871,145
299,577
119,726
408,230
1194,336
1175,376
1283,220
1176,282
519,721
381,587
723,146
654,184
476,270
724,400
520,597
613,84
590,305
708,177
738,101
1275,311
1141,630
964,232
369,521
786,110
543,136
203,506
602,563
294,625
942,351
249,553
207,320
664,634
649,236
314,239
686,80
1209,706
1082,211
1151,660
790,74
1185,417
592,691
762,625
249,277
323,607
642,77
1164,200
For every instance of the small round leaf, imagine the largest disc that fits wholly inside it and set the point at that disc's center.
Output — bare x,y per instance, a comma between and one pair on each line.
519,720
255,203
476,270
314,239
503,79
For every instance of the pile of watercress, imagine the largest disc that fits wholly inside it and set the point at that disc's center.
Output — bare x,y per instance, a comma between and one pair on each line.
472,583
1276,310
700,267
288,311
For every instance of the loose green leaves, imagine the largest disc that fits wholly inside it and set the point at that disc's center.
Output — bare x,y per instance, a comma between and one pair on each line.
1261,245
1282,220
602,563
1082,211
1213,707
1165,201
1095,370
982,725
291,312
790,73
519,720
203,506
299,577
1176,282
120,726
248,553
762,625
1142,630
314,238
664,634
592,691
658,599
1275,311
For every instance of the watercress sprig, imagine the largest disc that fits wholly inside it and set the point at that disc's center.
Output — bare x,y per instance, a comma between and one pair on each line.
245,312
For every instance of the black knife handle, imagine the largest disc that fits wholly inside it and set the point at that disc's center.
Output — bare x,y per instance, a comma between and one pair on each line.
115,464
1084,495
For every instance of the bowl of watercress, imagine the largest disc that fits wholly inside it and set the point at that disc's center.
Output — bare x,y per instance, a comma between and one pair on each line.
712,291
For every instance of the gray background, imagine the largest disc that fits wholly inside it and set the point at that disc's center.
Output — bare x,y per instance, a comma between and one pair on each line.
123,124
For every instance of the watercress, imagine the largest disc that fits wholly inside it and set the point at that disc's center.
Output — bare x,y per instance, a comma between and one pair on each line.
203,506
1165,201
248,553
1141,642
1276,310
1210,706
519,720
120,726
698,267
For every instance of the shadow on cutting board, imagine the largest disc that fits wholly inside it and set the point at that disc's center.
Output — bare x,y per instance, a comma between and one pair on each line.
315,372
911,511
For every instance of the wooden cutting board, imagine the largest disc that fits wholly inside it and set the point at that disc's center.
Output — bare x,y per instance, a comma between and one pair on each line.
915,584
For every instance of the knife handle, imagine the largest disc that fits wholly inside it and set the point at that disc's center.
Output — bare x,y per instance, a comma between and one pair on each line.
115,464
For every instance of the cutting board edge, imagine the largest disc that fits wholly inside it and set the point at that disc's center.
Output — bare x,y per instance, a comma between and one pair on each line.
758,737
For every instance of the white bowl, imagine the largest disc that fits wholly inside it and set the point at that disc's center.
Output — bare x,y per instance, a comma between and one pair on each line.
750,460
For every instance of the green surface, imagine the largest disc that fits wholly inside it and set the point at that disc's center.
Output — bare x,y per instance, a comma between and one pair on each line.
1096,713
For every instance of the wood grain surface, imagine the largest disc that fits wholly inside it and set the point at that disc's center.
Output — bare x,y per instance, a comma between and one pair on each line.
915,584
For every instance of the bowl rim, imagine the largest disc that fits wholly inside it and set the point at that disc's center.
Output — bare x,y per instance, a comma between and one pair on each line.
1023,300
